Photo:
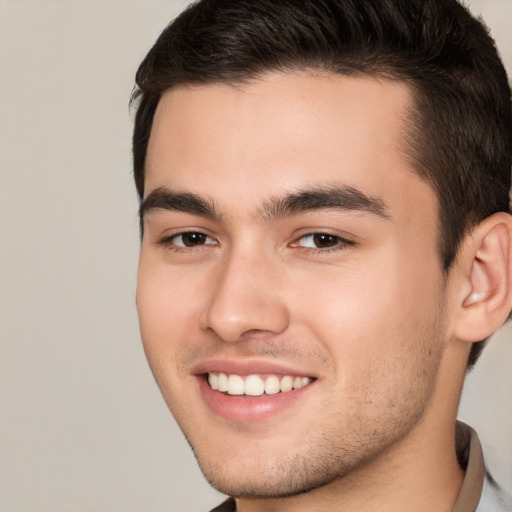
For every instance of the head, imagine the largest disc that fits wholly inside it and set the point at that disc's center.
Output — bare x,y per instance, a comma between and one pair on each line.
283,231
459,129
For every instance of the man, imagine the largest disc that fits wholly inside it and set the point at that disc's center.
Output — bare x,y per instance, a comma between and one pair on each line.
326,244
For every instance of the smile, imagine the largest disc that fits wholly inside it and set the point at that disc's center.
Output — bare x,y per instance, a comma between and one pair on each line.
255,385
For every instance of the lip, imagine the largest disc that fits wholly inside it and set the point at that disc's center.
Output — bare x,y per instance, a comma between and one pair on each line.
248,409
250,367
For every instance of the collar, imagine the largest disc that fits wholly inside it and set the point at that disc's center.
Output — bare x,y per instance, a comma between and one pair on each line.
470,456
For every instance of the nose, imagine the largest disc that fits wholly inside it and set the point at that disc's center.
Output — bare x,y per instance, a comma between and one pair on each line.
246,298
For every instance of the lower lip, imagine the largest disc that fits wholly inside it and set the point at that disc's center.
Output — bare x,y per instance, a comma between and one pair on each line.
248,409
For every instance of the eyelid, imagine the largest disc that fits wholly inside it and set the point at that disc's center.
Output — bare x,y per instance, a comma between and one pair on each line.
168,241
342,241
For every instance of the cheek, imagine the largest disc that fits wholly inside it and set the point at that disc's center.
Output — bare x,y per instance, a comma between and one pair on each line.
350,299
364,313
166,302
165,292
384,342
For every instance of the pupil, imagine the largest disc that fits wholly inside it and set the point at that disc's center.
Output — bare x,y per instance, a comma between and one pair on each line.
325,240
191,239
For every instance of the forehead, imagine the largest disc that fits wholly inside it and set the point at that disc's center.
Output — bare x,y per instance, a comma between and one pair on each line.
284,132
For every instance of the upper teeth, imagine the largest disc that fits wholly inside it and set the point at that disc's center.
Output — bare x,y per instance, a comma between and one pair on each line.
254,385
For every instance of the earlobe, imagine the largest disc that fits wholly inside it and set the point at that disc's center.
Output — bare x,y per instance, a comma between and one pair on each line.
486,291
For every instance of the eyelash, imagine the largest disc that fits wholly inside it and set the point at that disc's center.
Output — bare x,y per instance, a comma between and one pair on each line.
339,243
169,243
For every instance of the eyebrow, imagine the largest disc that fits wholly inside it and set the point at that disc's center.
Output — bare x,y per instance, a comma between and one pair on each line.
324,198
165,199
302,201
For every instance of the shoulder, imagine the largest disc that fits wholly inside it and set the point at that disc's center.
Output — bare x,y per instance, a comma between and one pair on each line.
494,499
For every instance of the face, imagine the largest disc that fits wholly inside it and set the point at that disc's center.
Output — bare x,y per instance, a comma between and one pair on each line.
289,290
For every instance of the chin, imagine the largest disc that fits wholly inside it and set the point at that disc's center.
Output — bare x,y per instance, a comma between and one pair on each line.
279,476
264,486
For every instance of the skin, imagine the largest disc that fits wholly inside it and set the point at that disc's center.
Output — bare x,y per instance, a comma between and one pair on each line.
370,317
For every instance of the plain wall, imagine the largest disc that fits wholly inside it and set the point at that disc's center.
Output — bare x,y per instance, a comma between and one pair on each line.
82,424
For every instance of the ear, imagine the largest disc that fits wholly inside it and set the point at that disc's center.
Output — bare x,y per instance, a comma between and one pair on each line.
485,291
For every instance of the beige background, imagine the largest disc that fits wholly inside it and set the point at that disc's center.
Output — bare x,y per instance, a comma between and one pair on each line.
82,425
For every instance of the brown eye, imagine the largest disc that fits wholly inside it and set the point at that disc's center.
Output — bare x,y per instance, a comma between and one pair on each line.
192,239
322,240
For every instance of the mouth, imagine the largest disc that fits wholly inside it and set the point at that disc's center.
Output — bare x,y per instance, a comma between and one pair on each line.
251,391
255,385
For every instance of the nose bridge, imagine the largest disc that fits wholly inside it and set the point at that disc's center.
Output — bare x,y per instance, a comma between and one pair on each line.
246,296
